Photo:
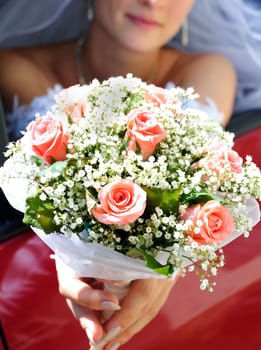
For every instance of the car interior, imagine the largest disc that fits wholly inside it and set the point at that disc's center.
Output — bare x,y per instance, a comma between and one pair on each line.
10,219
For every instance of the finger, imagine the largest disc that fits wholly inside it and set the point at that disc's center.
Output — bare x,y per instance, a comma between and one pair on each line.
84,295
80,292
106,339
144,297
142,304
128,333
89,321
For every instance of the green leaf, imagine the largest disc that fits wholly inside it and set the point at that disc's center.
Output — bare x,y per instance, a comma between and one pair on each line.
55,168
167,200
37,160
124,145
195,197
166,270
135,253
153,264
40,214
170,201
133,101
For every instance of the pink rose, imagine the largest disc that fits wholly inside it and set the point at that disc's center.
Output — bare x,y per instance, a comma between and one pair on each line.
220,158
73,101
156,94
75,111
46,137
224,158
144,129
122,202
234,160
211,222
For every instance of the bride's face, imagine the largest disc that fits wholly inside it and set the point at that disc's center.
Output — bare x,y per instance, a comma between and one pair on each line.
141,25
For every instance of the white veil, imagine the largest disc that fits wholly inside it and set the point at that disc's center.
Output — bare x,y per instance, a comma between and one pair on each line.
232,28
27,22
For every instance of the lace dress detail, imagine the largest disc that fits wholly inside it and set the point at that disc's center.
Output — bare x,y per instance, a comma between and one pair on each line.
22,115
209,107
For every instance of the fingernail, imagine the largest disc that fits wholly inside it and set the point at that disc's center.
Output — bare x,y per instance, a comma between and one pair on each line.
109,336
96,347
115,346
108,305
112,333
89,335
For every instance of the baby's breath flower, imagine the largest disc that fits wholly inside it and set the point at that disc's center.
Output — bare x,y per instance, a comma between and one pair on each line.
204,284
183,170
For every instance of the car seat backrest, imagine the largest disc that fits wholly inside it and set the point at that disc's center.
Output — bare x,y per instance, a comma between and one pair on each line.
3,133
10,219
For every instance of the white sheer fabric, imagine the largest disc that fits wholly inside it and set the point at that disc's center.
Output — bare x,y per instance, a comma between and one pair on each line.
26,22
232,28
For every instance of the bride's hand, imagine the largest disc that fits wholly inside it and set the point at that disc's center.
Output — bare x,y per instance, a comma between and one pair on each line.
142,303
86,300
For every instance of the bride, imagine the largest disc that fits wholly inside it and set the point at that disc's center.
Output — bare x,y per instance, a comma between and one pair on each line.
123,36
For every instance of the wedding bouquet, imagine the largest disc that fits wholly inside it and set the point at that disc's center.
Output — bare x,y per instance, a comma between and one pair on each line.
123,182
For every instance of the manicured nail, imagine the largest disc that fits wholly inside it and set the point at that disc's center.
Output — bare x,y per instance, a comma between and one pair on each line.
108,305
89,335
112,333
109,336
115,346
96,347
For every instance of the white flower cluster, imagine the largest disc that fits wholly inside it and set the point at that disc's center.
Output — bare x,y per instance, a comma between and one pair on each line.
185,170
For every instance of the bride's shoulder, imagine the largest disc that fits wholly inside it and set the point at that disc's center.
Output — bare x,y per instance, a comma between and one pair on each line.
185,66
18,62
211,75
19,75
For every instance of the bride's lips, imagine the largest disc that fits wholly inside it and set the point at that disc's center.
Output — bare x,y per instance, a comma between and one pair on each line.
142,21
